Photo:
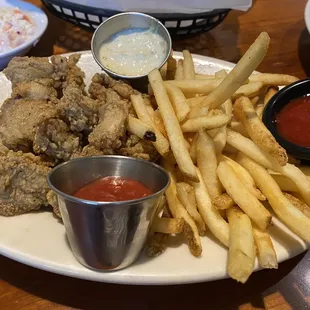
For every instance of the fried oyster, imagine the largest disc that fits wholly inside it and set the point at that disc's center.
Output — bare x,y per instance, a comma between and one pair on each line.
51,118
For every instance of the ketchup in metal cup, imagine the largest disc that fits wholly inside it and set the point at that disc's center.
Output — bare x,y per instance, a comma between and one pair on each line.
293,121
111,189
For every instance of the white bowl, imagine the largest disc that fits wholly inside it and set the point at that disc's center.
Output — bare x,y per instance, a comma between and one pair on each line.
40,19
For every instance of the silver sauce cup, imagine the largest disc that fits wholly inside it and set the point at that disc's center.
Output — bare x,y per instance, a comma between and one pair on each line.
123,21
107,235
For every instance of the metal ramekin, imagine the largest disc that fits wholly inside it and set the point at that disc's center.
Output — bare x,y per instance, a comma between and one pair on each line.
122,21
107,235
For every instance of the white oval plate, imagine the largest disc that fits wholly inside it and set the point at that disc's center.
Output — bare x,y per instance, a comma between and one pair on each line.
39,240
307,15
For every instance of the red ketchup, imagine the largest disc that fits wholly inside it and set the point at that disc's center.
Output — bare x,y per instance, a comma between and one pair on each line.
112,189
293,121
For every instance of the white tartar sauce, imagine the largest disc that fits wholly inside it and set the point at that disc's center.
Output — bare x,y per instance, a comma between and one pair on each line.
15,28
133,52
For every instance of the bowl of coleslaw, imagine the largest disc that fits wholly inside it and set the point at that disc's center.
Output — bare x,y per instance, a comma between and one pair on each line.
21,27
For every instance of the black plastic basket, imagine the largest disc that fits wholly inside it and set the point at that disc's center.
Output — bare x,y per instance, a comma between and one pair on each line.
178,24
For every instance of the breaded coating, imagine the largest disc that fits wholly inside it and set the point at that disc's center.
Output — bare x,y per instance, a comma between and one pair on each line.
50,118
66,71
96,89
19,120
135,147
110,131
123,89
36,90
23,185
53,138
25,69
80,111
52,200
89,150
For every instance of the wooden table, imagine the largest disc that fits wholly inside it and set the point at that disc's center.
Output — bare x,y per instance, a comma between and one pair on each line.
23,287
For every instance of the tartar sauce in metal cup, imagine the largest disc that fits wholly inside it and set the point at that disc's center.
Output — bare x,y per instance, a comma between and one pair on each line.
133,52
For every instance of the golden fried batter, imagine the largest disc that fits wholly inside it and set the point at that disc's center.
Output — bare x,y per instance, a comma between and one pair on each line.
108,134
19,119
25,69
23,185
53,138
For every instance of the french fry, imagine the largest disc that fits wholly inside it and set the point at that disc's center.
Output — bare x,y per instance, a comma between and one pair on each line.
193,87
193,149
221,74
148,105
255,100
267,256
242,197
220,140
157,244
179,72
218,134
161,144
207,168
301,181
179,102
188,146
162,208
238,127
249,90
223,202
158,123
188,66
168,225
285,183
242,251
205,122
249,148
140,108
245,113
172,126
228,107
217,225
190,205
299,204
171,68
178,211
244,177
207,76
273,79
142,130
291,216
270,92
213,132
192,102
237,76
259,110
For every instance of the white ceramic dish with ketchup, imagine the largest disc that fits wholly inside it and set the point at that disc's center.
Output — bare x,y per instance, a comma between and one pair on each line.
276,104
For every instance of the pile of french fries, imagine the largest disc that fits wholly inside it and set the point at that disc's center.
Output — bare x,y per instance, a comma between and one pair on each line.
227,171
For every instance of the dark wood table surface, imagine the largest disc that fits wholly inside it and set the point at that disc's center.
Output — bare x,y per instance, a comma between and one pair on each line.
23,287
